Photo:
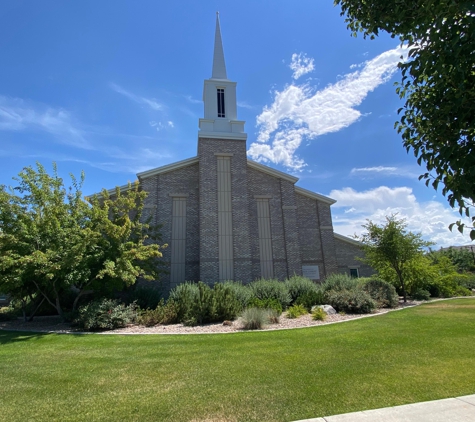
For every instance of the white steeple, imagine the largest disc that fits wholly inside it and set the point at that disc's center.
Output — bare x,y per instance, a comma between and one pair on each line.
219,66
219,97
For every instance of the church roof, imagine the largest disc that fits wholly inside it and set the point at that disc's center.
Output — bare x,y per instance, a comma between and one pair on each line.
347,239
167,168
314,195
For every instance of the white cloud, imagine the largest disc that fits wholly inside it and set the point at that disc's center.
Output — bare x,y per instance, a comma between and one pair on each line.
431,218
382,171
301,65
299,112
171,124
151,102
21,115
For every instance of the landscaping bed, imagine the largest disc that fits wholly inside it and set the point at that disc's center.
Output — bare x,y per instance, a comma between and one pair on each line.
54,324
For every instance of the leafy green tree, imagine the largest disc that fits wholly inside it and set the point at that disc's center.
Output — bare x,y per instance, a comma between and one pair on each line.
390,245
438,84
54,243
462,259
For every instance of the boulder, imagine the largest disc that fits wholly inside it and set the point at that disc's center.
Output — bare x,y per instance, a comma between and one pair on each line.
328,309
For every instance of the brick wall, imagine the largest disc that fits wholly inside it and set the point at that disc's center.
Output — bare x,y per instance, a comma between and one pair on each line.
209,269
159,203
346,254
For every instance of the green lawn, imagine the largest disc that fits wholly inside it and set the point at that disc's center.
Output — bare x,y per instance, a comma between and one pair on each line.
416,354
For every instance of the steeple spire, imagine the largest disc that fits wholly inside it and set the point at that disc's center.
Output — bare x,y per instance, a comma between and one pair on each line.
219,66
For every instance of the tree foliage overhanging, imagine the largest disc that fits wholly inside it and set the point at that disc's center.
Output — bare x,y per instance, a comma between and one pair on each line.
438,84
53,243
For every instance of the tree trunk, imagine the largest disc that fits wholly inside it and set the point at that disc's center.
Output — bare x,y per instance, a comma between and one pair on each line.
59,309
403,285
81,293
32,315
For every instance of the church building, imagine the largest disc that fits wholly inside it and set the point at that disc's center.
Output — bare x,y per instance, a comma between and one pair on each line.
226,217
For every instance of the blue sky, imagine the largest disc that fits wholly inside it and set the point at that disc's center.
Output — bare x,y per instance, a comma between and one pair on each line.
114,88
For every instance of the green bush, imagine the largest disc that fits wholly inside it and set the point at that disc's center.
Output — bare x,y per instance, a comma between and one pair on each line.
318,314
106,314
200,304
242,292
7,313
382,292
254,318
146,297
355,301
310,299
296,311
462,291
273,316
273,304
469,281
339,282
270,289
227,305
162,314
420,294
298,286
184,296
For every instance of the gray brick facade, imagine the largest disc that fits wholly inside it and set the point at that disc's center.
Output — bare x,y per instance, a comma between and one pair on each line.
347,252
301,225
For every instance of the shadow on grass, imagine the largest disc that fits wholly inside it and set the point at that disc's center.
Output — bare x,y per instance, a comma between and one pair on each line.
7,336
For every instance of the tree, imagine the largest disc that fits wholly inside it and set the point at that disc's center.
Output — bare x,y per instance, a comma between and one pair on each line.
462,259
390,245
54,243
438,84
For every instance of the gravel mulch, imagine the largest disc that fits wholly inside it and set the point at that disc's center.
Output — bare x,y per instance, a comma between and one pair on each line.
52,324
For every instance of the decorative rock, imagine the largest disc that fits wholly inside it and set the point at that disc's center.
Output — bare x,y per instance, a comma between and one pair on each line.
328,309
226,322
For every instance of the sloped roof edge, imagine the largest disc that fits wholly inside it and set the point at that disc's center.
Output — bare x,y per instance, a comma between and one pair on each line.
167,168
314,195
271,171
347,239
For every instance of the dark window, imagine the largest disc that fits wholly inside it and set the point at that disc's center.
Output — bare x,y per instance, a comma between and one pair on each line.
221,112
354,273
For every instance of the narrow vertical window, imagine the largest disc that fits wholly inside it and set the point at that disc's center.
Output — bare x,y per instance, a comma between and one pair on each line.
221,112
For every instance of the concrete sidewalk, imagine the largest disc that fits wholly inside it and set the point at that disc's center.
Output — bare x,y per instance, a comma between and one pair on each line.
459,409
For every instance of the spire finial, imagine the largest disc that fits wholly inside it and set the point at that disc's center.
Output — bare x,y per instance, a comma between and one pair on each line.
219,66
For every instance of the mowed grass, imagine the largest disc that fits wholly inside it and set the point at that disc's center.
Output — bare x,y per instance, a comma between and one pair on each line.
417,354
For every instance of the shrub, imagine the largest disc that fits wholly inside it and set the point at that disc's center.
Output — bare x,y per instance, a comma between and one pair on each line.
162,314
383,293
254,318
184,296
355,301
227,304
242,293
271,289
420,294
146,297
273,316
7,313
106,314
339,282
318,314
296,311
469,281
310,299
199,304
298,286
462,291
273,304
